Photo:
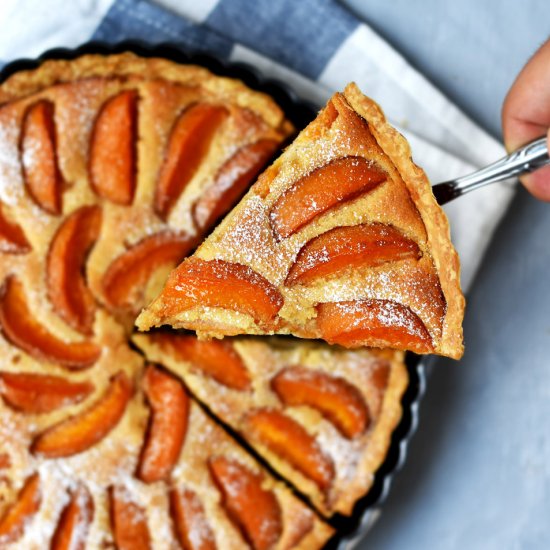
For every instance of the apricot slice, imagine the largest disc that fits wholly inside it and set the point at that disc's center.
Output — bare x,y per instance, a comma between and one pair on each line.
231,181
287,439
381,375
39,156
252,508
192,527
215,358
12,238
81,431
376,323
167,427
112,160
5,461
336,399
341,248
217,283
41,393
74,522
189,143
337,182
20,513
28,334
67,288
129,522
126,277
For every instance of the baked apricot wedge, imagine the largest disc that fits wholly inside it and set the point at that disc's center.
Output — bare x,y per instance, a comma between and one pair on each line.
27,333
335,398
39,157
34,393
376,323
189,143
12,237
289,440
81,431
167,426
252,508
231,181
215,283
350,247
124,280
128,522
74,523
192,527
112,157
65,280
19,514
335,183
214,358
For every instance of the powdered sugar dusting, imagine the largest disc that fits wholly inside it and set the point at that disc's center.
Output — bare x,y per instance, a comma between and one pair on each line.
10,169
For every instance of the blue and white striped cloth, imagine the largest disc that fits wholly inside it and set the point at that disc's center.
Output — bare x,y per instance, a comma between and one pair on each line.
317,47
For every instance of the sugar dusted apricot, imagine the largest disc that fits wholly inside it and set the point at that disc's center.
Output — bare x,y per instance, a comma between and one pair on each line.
189,143
112,161
39,156
214,358
376,323
81,431
231,181
128,521
336,399
125,278
74,523
252,508
337,182
350,247
12,237
216,283
19,514
67,289
167,427
28,334
286,438
41,393
192,527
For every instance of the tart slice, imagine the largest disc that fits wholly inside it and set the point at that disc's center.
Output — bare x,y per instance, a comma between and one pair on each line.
321,416
140,466
340,239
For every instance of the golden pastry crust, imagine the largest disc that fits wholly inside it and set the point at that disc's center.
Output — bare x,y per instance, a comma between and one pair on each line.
126,65
297,217
379,379
79,416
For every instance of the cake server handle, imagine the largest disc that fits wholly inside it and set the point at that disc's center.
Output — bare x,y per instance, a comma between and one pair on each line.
526,159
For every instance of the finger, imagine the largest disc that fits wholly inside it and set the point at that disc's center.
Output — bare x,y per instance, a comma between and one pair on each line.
526,109
526,115
538,183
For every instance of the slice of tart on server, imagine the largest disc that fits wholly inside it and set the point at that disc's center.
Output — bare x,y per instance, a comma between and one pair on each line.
340,238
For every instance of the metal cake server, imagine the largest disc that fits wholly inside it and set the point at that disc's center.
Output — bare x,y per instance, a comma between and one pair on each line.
526,159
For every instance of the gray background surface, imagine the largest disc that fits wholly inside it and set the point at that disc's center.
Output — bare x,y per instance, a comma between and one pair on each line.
478,471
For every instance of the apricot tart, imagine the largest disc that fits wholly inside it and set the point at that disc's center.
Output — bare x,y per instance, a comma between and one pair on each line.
112,169
340,239
322,416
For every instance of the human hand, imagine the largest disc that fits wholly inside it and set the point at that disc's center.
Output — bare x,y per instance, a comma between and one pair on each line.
526,115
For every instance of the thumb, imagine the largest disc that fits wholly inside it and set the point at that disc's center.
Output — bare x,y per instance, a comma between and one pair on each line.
538,183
